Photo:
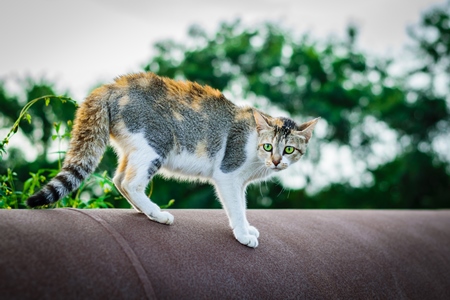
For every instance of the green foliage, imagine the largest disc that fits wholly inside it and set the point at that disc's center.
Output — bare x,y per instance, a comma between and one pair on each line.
12,197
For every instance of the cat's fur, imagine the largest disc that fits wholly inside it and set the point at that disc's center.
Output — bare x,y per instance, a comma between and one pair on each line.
181,129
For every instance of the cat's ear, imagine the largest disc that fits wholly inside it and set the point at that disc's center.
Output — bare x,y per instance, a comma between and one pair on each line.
261,121
306,129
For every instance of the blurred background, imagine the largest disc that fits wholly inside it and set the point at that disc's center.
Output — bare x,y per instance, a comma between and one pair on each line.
376,72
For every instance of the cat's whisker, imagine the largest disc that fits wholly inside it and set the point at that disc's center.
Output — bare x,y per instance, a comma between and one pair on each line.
259,170
281,191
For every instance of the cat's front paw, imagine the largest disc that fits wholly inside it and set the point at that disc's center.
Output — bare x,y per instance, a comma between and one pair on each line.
253,231
248,240
162,217
165,218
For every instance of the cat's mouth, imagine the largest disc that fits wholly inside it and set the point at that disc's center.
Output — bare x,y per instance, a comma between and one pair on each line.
276,168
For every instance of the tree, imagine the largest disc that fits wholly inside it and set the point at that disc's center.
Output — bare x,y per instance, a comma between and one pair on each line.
335,81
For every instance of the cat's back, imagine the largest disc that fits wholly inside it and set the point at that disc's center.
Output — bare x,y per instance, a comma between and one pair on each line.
150,91
180,116
146,97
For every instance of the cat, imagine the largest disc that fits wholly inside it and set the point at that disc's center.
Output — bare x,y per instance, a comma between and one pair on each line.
180,129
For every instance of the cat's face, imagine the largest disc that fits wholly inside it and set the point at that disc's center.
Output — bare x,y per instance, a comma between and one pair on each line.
281,142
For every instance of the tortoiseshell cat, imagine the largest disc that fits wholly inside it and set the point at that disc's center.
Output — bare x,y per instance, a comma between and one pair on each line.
180,129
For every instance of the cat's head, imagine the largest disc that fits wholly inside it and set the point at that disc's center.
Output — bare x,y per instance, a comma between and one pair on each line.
281,142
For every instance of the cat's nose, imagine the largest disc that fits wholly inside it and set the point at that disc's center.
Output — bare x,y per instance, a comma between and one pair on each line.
276,162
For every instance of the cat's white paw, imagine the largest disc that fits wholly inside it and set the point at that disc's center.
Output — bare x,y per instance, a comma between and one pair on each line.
162,217
165,218
248,240
253,231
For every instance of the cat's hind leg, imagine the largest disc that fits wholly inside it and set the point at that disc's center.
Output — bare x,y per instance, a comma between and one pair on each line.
118,178
141,165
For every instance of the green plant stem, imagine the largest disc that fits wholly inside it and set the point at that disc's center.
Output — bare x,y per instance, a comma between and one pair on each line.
23,115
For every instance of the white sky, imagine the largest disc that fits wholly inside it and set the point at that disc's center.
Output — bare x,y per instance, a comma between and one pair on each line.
80,43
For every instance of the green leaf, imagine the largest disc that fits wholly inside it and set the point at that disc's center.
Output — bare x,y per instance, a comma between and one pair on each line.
28,118
169,204
27,183
57,126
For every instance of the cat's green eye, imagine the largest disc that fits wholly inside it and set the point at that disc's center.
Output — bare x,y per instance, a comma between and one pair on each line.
289,150
267,147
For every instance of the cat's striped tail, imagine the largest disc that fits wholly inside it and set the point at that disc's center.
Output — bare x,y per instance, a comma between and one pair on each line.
90,136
